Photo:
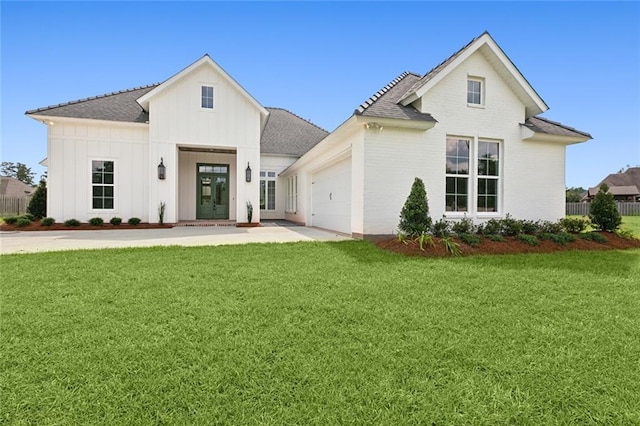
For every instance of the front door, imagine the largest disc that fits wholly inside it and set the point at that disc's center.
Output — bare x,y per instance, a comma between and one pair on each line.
212,191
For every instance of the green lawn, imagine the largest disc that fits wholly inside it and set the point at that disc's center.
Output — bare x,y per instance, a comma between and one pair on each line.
318,333
632,223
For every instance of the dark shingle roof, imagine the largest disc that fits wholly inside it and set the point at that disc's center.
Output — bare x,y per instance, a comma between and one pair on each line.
116,106
12,187
630,177
286,133
384,103
543,125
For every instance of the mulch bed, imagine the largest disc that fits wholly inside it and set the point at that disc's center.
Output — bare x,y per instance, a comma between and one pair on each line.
511,245
35,226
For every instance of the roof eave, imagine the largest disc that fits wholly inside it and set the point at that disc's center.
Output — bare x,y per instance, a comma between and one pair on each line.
533,136
396,122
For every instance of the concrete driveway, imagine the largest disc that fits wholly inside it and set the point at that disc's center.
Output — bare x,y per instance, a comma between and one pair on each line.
40,241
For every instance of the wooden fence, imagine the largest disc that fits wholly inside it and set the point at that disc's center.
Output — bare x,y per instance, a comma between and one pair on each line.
13,206
625,209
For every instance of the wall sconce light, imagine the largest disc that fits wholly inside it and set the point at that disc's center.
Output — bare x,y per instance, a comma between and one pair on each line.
248,173
161,169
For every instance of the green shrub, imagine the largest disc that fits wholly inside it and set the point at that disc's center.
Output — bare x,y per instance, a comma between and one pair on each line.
451,246
441,228
510,227
470,239
96,221
115,221
490,227
625,233
10,220
133,221
603,210
463,226
29,216
23,221
425,238
530,227
47,221
528,239
414,217
496,237
38,203
560,239
546,226
594,236
575,225
72,222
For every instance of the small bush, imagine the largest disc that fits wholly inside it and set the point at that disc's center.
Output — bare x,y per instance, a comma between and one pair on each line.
11,220
463,226
603,210
548,227
496,237
47,221
96,221
72,222
510,227
470,239
594,236
528,239
115,221
530,227
441,228
625,233
425,238
560,239
575,225
38,204
133,221
414,217
29,216
491,227
23,221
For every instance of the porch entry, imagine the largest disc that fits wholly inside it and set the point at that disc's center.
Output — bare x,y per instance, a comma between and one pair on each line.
212,191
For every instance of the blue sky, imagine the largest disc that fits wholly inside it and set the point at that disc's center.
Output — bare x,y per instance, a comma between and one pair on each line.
322,59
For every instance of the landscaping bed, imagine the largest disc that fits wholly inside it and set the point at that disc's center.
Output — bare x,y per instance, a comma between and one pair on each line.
510,245
36,226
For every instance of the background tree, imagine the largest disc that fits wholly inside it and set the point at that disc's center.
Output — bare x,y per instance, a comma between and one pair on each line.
414,217
574,195
17,170
38,204
603,210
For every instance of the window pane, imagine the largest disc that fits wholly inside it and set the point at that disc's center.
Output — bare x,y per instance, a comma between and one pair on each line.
262,195
96,177
461,185
108,191
97,203
271,199
97,191
108,203
271,174
451,185
97,166
108,178
108,166
263,174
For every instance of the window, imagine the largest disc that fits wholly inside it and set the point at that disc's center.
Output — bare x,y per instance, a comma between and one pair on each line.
267,190
474,91
457,175
488,176
292,194
207,97
102,183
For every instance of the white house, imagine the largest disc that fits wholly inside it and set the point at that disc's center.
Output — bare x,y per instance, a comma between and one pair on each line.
469,128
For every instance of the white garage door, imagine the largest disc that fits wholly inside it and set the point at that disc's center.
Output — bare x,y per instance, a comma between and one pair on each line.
331,197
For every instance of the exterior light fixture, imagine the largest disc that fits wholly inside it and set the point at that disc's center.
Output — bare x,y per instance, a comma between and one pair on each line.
161,169
248,173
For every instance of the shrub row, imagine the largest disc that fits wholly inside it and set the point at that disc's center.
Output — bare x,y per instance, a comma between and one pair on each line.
510,227
27,219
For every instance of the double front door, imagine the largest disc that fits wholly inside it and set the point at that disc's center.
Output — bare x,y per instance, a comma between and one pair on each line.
212,191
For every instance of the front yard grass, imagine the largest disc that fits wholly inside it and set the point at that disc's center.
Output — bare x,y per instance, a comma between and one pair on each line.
318,333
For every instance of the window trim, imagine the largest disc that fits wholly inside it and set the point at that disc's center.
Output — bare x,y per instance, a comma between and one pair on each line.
266,178
498,178
113,185
482,82
468,176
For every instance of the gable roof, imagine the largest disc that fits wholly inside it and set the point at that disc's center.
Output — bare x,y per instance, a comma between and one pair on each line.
115,106
288,134
13,187
544,125
497,58
384,103
630,177
615,190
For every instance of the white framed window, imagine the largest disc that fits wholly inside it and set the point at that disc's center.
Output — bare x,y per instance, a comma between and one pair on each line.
488,176
475,91
292,194
102,185
457,174
267,190
206,97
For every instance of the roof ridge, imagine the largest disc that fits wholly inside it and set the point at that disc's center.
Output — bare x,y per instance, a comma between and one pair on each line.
557,123
366,104
91,98
297,116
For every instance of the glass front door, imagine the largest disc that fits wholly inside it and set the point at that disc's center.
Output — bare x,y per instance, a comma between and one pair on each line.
212,191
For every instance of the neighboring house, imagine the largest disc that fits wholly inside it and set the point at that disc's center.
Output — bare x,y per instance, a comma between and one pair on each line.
12,187
469,128
624,186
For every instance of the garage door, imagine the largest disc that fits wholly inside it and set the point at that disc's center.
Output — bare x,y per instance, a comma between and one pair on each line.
331,197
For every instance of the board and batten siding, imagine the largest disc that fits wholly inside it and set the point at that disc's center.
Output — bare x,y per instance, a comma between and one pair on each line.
72,145
177,119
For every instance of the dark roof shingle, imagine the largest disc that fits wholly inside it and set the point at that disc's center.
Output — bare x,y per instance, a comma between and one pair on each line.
116,106
543,125
286,133
384,103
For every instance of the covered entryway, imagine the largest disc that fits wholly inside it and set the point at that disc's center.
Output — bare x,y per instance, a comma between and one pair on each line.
212,191
331,197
